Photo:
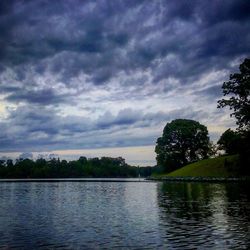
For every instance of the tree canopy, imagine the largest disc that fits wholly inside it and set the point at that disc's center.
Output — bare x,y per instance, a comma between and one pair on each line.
238,90
56,168
183,141
230,142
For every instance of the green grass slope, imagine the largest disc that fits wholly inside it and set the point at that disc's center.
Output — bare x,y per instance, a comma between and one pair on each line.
224,166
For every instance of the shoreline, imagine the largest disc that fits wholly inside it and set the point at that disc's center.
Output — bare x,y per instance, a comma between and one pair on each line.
148,179
75,180
200,179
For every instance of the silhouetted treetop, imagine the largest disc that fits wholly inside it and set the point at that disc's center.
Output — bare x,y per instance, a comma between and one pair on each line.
238,90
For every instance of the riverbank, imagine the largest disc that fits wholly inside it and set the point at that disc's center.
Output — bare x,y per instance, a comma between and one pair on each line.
199,179
220,169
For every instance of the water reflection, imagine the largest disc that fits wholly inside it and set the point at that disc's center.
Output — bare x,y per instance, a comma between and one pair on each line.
82,215
205,215
79,215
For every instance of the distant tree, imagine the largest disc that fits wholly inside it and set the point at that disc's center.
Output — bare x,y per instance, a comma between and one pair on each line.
230,141
56,168
238,90
24,167
9,163
2,163
183,141
83,160
40,162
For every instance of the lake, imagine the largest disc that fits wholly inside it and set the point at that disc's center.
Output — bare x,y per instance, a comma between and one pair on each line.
135,215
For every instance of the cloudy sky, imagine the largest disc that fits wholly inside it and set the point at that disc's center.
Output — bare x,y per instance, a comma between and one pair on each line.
103,78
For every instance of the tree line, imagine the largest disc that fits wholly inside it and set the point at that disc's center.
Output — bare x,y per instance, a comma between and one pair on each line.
83,167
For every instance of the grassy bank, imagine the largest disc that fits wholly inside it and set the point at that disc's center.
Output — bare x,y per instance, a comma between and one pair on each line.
224,166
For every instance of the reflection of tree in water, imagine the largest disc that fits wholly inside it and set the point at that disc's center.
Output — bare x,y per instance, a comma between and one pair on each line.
238,196
205,214
185,200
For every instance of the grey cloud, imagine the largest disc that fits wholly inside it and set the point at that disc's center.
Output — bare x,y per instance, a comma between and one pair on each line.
109,42
26,155
124,117
41,128
210,92
102,39
210,12
218,11
44,96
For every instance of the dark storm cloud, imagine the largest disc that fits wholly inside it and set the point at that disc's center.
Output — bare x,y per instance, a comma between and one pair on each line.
85,45
210,12
134,35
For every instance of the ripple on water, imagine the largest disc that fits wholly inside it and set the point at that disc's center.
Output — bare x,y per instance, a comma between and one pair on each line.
86,215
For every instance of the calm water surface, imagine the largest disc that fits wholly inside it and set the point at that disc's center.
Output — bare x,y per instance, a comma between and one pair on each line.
135,215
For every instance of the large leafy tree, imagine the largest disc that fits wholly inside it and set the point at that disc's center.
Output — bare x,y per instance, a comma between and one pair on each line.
183,141
238,89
